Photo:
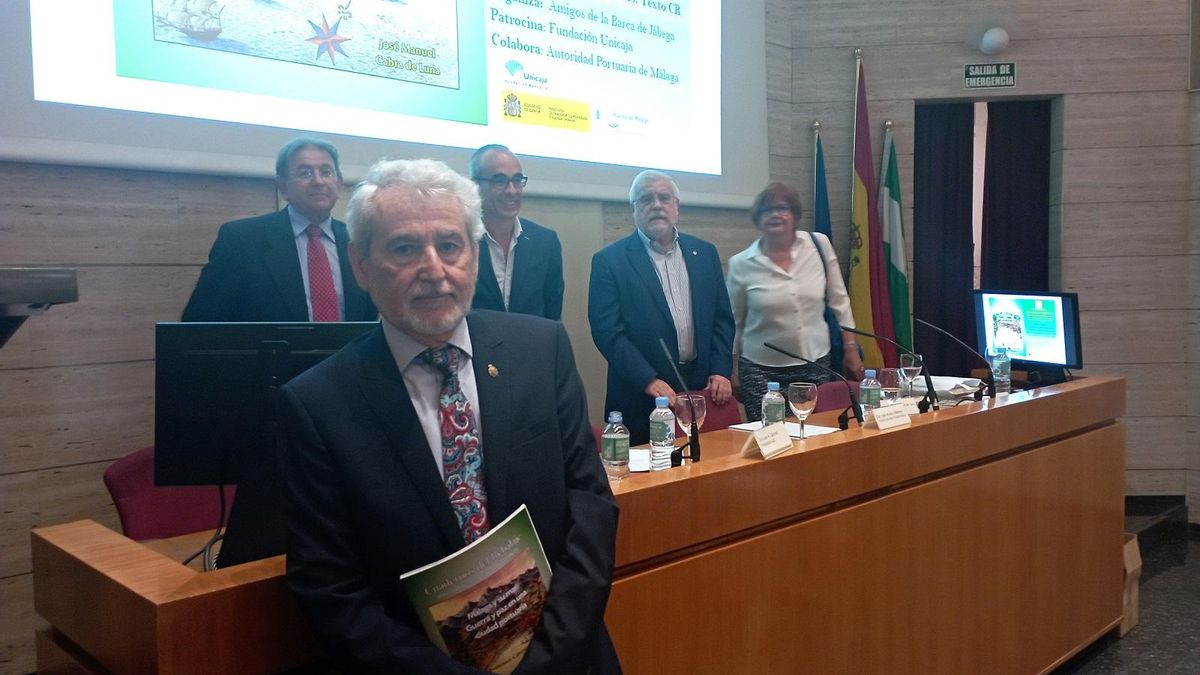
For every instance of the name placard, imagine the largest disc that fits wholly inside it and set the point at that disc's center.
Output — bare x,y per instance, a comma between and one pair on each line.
890,417
768,441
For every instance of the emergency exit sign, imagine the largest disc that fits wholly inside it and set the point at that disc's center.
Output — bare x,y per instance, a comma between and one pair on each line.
989,75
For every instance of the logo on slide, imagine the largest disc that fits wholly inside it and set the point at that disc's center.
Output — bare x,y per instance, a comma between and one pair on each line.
327,40
513,67
512,106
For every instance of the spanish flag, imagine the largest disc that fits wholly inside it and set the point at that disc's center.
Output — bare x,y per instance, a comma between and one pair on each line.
868,267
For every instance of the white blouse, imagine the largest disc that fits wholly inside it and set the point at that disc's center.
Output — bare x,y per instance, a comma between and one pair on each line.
786,307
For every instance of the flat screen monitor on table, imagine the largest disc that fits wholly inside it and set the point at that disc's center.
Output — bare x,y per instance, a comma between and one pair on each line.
1039,330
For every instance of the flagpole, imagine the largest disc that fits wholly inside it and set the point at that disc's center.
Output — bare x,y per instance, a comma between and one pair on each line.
816,128
858,55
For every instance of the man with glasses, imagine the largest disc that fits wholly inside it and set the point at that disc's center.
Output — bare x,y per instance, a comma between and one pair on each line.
290,265
521,269
659,283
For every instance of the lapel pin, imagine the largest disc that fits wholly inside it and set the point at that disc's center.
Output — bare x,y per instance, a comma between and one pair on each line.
695,253
493,370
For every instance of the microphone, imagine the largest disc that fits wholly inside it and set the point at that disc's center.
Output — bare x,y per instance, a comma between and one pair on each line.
991,380
693,444
930,398
843,419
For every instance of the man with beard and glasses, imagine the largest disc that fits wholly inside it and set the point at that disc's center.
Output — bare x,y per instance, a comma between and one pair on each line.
520,263
290,265
659,283
372,487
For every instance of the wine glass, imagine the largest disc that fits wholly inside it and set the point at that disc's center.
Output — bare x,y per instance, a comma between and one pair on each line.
910,369
683,412
889,385
802,398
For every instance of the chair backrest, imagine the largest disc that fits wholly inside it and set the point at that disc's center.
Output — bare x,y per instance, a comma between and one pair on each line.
832,395
151,512
719,416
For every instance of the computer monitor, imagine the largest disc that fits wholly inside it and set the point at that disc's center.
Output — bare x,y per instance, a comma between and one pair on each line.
214,391
1040,330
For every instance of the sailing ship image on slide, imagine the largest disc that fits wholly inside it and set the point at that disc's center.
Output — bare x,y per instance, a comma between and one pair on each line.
198,19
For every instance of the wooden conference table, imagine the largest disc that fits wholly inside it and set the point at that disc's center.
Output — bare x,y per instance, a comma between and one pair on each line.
982,538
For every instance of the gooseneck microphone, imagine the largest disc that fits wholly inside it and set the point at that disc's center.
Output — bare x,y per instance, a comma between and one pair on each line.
991,379
930,398
844,418
693,444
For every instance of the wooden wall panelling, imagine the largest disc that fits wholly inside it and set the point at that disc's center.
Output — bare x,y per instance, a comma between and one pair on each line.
1151,389
1126,119
779,22
1156,482
779,73
63,416
862,22
1131,336
1129,282
1139,228
1156,442
17,623
1098,175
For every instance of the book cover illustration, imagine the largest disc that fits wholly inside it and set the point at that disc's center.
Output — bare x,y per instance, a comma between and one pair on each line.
482,603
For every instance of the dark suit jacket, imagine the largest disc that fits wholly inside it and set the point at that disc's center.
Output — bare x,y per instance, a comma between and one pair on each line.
253,274
366,503
628,313
537,283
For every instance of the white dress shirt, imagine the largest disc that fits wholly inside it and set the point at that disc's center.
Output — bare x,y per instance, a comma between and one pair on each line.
786,307
673,275
299,225
424,382
502,260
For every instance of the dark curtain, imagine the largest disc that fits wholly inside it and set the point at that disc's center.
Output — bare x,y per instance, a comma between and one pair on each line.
1015,251
943,261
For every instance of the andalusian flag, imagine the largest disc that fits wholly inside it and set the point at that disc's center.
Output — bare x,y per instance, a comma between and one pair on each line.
821,221
868,267
893,241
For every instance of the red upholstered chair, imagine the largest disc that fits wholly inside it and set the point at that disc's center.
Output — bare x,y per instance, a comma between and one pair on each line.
832,395
151,512
719,416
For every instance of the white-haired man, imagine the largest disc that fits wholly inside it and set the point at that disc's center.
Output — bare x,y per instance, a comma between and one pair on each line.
374,489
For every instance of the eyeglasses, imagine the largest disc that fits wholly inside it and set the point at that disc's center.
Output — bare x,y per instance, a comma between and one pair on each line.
308,173
649,198
774,208
500,181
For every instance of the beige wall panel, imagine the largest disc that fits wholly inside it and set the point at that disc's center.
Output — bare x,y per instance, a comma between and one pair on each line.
1131,228
105,325
782,131
1151,390
79,216
857,22
779,22
1192,316
1155,442
1155,482
1133,282
49,497
779,73
1092,176
1193,496
74,415
1044,68
1146,336
17,623
837,125
1126,119
790,169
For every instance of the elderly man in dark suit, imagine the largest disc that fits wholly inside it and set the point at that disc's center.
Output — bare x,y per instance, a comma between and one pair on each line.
290,265
417,437
520,263
659,283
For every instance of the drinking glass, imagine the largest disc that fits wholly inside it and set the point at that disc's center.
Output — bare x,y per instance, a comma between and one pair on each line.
889,385
802,398
683,412
910,369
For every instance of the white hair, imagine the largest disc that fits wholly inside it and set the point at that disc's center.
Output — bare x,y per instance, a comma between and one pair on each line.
647,176
428,177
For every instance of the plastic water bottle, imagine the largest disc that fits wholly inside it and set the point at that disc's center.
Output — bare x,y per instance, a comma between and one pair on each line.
1002,370
614,447
774,405
869,391
662,435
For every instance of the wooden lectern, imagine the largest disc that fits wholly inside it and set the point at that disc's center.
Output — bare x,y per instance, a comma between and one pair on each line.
985,537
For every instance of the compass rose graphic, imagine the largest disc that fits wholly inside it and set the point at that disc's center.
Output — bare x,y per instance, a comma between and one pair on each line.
327,40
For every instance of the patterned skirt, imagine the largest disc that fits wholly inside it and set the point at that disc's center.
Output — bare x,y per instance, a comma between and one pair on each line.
753,379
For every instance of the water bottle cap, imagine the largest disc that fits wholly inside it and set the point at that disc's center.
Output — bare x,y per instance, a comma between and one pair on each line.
1001,351
870,372
615,417
661,401
772,386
